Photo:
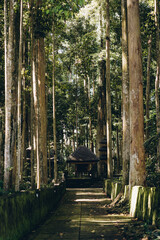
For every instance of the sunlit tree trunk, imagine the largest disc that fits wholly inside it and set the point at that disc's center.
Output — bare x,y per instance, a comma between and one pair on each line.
23,148
157,81
117,151
90,119
8,87
33,139
54,112
36,164
137,157
108,96
35,170
101,118
42,111
73,142
18,172
76,113
148,84
125,97
49,159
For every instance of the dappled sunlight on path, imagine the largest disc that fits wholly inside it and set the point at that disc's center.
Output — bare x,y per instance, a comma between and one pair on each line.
82,216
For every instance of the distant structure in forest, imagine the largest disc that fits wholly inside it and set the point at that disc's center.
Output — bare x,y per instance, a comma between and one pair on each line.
84,162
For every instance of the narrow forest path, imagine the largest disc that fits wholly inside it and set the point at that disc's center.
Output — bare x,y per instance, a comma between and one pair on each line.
82,216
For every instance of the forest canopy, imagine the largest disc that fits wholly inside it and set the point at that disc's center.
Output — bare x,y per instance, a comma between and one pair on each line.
67,80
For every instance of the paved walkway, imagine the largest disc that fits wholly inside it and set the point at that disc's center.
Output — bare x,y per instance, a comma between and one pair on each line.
81,216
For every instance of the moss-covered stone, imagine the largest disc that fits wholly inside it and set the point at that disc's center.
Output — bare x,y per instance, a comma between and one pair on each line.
116,188
108,187
126,192
112,188
144,203
21,212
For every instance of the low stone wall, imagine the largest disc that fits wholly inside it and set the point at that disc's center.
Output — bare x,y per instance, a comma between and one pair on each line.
112,188
144,201
22,212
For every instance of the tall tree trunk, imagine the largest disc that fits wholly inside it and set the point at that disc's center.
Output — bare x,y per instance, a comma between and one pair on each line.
42,111
137,156
35,166
49,160
33,142
23,148
117,152
108,96
54,113
148,85
90,118
42,128
101,118
8,86
157,81
14,120
18,172
125,97
76,113
118,164
36,163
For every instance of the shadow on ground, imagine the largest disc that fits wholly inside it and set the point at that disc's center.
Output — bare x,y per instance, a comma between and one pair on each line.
81,216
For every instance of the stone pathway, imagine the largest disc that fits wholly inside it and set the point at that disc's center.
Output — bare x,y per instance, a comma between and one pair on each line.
82,216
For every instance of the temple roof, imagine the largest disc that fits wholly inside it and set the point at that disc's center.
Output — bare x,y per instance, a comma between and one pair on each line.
82,155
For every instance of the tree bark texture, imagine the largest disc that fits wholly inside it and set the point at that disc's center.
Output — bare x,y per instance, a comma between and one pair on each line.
90,117
18,172
42,111
157,80
148,85
9,53
36,163
33,102
125,96
137,155
108,96
101,118
24,125
54,113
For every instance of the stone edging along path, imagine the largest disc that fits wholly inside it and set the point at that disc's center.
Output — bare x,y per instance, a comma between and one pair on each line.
21,212
144,201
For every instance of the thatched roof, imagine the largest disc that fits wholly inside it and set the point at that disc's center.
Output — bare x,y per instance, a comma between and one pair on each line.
82,154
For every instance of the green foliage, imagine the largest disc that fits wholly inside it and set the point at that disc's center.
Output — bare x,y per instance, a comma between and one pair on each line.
49,11
79,51
153,178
